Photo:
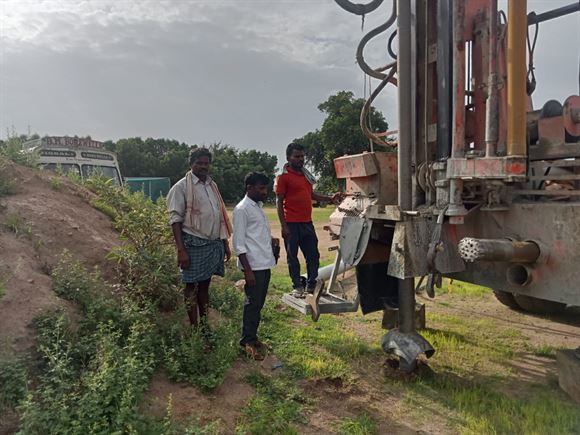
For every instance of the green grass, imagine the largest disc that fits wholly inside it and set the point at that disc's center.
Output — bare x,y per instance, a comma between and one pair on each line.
364,424
460,288
544,350
276,408
320,215
18,226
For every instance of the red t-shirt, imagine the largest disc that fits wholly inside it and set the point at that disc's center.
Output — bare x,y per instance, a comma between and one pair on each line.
297,192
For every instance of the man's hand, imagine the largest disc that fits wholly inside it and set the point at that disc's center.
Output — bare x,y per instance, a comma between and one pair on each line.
285,232
338,197
227,251
250,278
182,259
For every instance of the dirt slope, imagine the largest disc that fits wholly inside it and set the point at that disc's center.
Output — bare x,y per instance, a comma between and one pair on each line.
37,223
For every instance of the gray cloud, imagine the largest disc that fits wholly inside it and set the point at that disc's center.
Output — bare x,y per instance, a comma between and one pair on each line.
248,73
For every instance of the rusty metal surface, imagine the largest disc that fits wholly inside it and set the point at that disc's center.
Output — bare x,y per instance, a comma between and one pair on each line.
487,168
359,165
572,115
555,225
559,150
408,256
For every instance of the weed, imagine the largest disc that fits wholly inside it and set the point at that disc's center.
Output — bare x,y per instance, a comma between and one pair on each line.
18,226
13,382
361,425
12,149
56,182
7,183
545,350
186,358
277,405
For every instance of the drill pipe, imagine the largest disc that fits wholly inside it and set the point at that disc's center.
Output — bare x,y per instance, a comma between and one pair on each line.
472,250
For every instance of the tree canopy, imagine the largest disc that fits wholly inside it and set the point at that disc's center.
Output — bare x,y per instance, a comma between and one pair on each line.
169,158
339,134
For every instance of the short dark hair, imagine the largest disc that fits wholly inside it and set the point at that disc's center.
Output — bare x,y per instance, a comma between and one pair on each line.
256,179
293,147
196,153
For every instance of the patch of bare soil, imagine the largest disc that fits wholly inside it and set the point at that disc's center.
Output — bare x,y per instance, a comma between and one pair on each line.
225,404
36,225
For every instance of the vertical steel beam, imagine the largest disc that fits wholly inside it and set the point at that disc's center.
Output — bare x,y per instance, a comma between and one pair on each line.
492,107
444,79
405,107
516,80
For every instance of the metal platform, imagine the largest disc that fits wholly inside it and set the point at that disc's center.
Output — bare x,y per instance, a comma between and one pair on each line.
328,304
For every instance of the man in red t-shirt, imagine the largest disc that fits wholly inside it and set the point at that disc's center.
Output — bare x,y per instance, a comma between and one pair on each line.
294,194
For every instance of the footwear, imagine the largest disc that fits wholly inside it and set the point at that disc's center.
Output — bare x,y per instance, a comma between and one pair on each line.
299,293
261,345
252,352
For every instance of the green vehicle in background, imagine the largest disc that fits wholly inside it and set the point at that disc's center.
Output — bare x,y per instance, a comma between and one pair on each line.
153,187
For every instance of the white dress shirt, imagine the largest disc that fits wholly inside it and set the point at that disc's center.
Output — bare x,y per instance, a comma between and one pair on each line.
206,203
252,235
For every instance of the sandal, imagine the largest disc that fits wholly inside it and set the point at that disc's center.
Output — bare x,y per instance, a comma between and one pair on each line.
252,352
262,346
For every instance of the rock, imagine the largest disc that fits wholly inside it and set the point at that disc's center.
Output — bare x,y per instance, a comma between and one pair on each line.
31,281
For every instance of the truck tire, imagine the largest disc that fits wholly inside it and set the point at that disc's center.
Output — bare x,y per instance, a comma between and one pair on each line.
538,306
507,299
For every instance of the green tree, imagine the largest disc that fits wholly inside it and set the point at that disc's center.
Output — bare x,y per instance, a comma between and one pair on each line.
170,158
339,134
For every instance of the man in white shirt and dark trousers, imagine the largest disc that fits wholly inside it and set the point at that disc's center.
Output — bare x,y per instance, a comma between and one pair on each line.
253,244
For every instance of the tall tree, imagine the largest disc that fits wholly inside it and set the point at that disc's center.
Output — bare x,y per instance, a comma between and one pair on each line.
339,134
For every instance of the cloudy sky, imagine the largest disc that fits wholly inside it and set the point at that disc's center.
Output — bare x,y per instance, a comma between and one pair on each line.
249,73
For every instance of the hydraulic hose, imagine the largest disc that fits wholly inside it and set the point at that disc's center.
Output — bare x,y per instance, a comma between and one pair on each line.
377,31
359,8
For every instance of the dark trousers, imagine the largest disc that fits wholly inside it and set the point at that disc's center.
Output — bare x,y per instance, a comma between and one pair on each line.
255,298
303,236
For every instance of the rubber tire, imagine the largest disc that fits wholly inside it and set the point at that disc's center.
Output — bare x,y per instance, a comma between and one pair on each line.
507,299
538,306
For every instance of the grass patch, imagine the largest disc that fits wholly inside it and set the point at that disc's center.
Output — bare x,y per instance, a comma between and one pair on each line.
479,409
460,288
18,226
361,425
322,349
276,407
544,350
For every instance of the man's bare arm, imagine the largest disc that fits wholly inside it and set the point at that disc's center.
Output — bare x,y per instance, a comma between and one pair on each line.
182,256
280,208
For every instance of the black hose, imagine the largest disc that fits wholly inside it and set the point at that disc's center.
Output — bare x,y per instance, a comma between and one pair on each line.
390,45
377,31
367,107
358,8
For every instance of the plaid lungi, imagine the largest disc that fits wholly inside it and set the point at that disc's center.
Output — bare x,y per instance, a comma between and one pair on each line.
206,258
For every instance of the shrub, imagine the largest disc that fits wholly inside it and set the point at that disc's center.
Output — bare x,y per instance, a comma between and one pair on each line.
13,382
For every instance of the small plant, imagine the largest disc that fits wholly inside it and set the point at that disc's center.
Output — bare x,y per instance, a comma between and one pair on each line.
7,183
13,382
361,425
18,226
56,182
186,359
277,405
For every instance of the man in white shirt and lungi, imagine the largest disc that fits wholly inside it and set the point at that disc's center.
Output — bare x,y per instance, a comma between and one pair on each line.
201,229
253,244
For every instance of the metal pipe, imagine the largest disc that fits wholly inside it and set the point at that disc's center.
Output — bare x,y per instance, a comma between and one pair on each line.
444,79
492,114
516,80
458,146
471,250
534,18
324,273
405,108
